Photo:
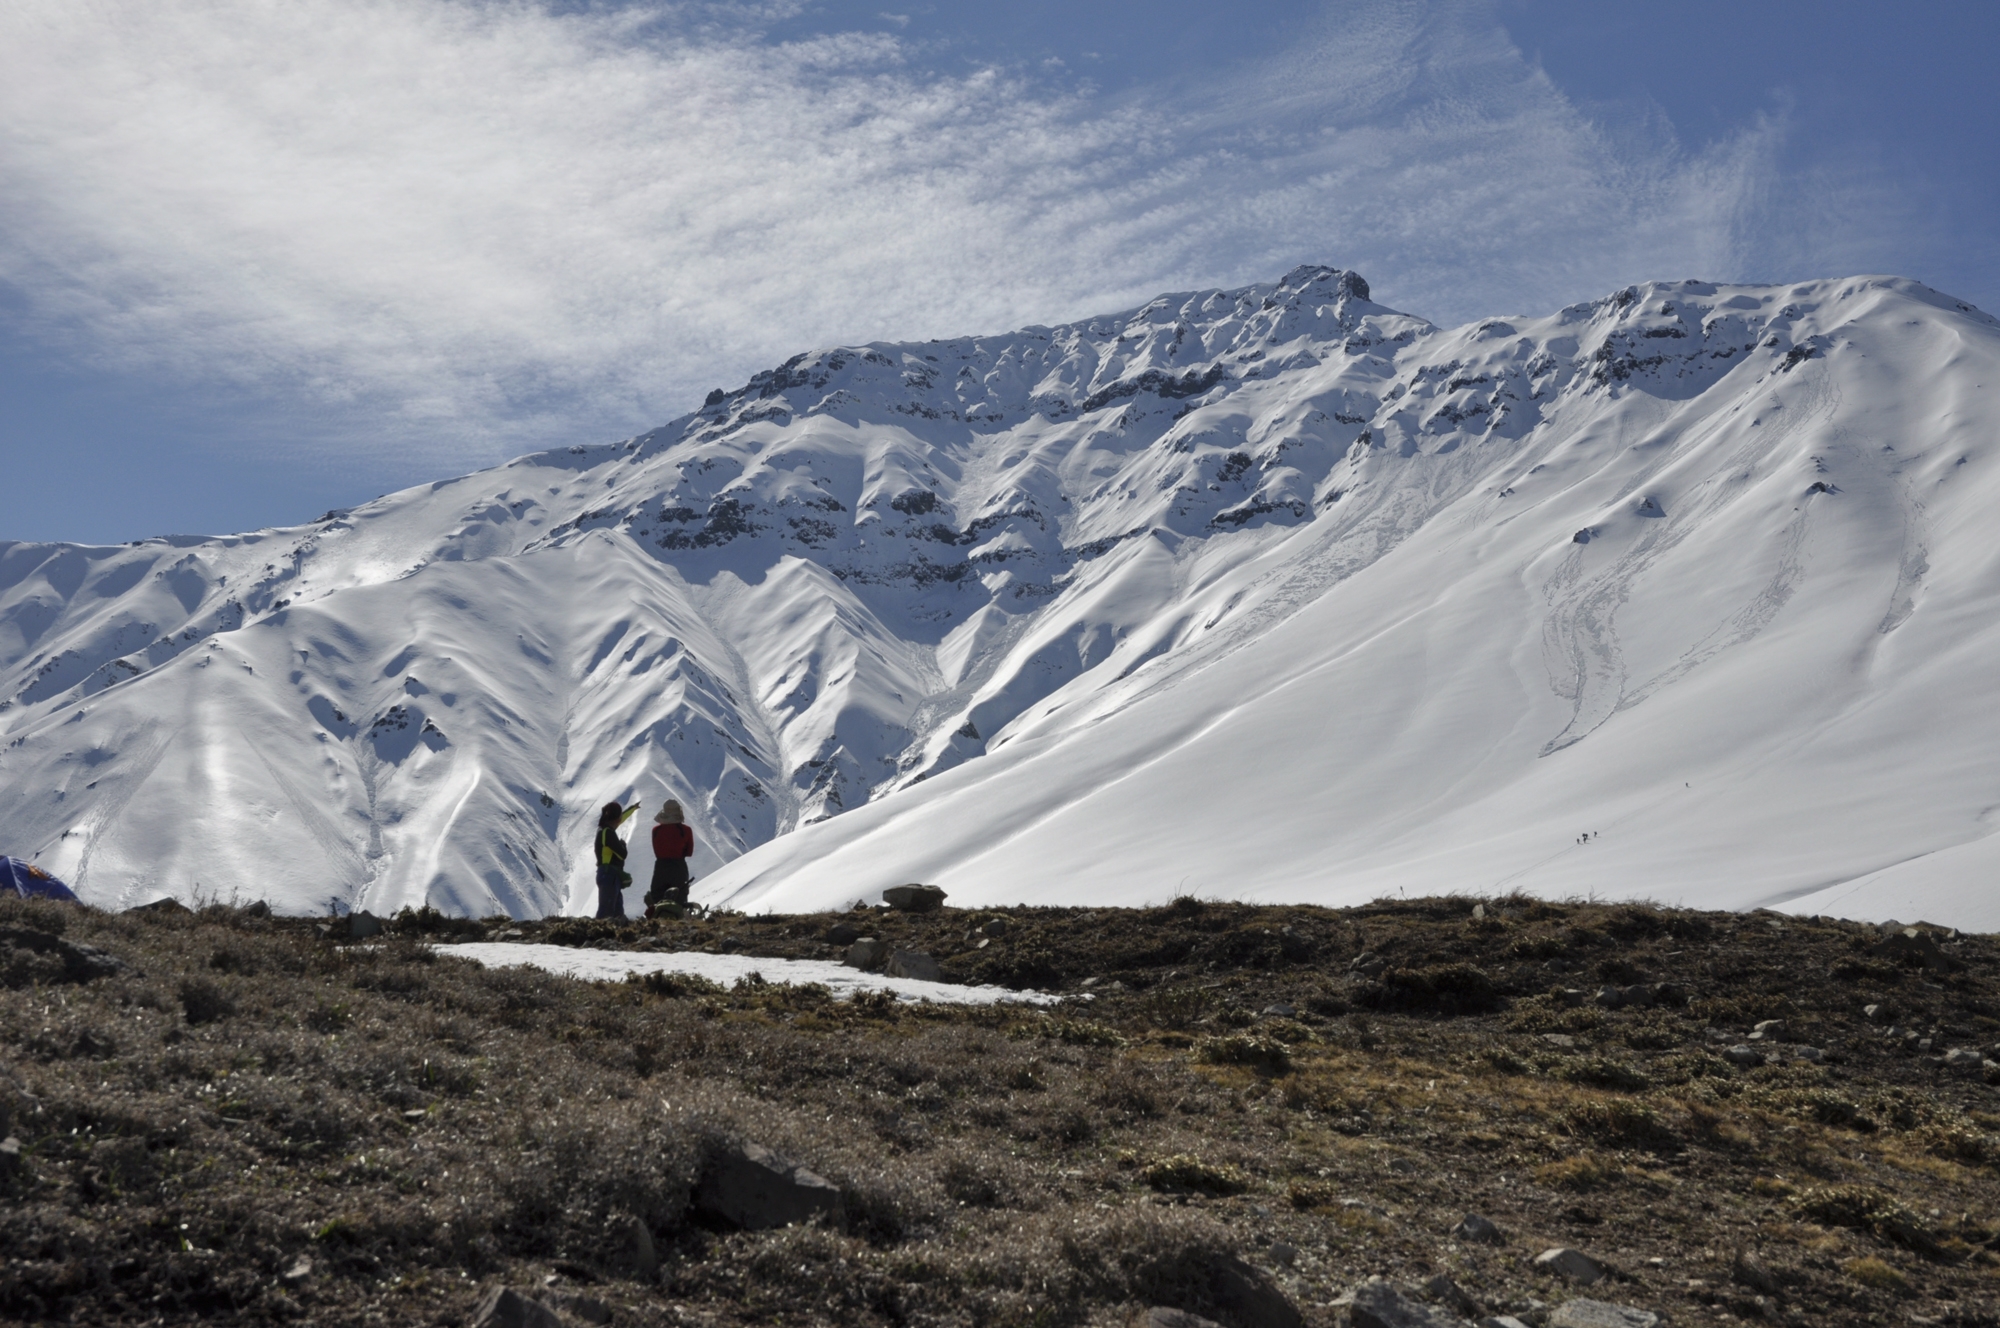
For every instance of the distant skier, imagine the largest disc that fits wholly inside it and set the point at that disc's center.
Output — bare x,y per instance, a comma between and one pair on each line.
612,878
673,841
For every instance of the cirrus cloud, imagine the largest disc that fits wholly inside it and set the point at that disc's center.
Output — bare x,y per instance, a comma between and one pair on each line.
469,228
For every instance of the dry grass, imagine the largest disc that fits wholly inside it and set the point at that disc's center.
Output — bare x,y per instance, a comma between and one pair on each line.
252,1125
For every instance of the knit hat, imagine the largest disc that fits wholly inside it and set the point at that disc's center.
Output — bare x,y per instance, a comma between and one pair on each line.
671,814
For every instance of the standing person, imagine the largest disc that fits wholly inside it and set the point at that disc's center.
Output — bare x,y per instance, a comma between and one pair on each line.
672,842
612,878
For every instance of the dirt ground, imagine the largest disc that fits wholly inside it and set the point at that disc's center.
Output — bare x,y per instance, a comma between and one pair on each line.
229,1118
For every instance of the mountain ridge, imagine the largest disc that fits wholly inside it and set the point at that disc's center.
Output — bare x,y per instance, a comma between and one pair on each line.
876,568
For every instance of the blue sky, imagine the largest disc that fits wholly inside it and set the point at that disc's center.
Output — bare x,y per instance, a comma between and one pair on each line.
257,261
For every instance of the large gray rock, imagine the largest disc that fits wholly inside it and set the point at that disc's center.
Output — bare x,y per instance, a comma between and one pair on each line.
504,1307
1453,1297
1478,1230
1600,1314
914,898
363,924
749,1186
913,964
1248,1296
1380,1305
842,933
28,955
1573,1264
1159,1316
866,953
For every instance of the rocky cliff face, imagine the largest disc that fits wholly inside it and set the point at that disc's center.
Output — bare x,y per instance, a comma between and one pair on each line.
857,580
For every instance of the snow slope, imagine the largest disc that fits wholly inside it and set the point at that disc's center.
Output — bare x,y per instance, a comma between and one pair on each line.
1273,593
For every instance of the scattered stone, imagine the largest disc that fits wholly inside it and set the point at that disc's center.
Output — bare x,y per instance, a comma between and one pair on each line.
1572,1264
1368,965
866,953
363,924
995,927
10,1158
1569,997
1746,1270
914,898
1876,1011
842,933
1771,1030
1744,1054
1380,1305
1964,1059
1501,1321
1810,1054
1610,997
1280,1011
161,906
913,964
259,909
1285,1253
1562,1040
1479,910
1161,1317
1640,995
1478,1230
504,1307
1453,1297
298,1272
1600,1314
749,1186
1402,1166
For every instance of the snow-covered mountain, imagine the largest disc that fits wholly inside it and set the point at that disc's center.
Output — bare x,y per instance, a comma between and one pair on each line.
1273,592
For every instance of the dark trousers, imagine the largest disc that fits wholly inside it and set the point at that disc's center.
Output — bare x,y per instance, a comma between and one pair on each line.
610,892
670,883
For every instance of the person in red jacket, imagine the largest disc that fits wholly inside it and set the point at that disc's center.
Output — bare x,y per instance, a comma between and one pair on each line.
672,843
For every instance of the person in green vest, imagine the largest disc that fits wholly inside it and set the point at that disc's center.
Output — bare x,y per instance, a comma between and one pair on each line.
612,878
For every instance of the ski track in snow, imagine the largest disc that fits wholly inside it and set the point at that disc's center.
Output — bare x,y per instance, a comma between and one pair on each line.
1272,593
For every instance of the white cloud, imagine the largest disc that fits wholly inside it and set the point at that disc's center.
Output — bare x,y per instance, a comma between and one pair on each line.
484,227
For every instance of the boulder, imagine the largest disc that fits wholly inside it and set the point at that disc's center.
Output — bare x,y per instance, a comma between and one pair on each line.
1478,1230
1380,1305
161,906
866,953
749,1186
1248,1296
504,1307
363,924
913,964
1453,1297
842,933
1572,1264
1770,1030
995,928
1159,1316
588,1308
28,955
914,898
1964,1059
1600,1314
1914,947
641,1256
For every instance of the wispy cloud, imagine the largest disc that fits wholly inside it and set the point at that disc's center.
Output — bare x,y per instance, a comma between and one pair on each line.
482,227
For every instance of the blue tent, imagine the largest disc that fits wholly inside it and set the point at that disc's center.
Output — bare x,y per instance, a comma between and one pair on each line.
31,882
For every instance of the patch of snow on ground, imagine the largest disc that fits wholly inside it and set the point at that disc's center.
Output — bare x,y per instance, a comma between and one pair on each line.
615,965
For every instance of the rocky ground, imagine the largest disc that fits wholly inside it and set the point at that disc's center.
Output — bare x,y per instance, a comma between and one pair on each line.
1246,1114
